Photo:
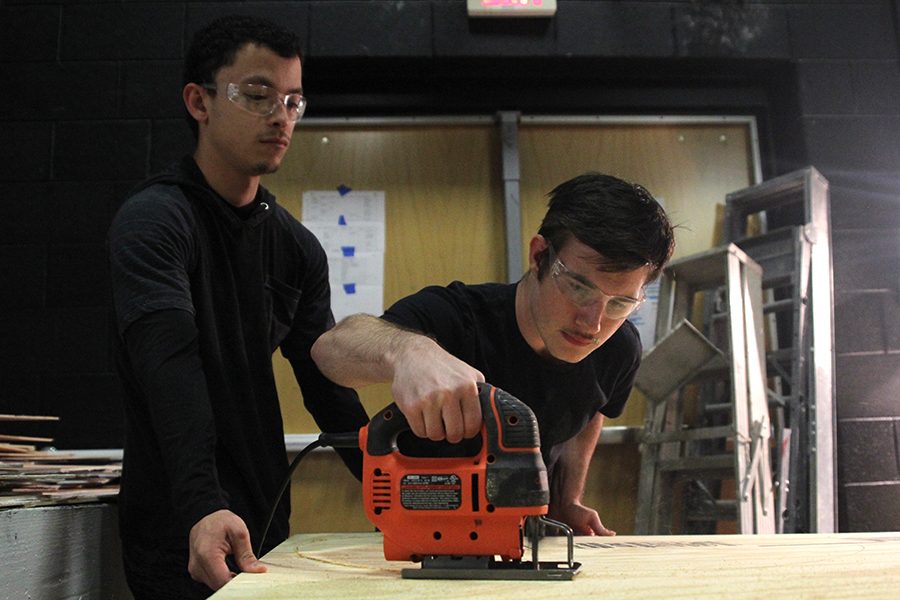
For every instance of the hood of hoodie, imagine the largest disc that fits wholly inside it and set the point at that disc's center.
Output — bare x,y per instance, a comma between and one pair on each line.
187,175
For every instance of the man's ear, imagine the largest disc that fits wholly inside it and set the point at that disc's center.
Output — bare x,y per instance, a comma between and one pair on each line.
536,249
194,97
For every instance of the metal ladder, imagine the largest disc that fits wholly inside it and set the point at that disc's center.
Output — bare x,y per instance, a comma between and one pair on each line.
784,224
707,421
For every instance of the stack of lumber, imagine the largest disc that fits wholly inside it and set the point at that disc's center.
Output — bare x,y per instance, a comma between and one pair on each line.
30,476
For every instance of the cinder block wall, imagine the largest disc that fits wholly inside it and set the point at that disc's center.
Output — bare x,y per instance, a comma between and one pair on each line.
90,106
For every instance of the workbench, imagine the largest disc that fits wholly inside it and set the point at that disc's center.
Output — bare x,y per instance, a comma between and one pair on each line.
846,565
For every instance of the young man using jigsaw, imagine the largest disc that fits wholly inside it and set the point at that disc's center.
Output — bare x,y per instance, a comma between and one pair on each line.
558,340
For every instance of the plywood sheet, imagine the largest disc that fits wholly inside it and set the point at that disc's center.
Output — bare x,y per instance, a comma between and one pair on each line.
725,566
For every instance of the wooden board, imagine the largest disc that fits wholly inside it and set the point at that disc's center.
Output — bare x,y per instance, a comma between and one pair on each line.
726,566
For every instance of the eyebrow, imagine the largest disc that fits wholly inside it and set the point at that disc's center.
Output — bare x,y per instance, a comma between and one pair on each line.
577,276
260,80
590,284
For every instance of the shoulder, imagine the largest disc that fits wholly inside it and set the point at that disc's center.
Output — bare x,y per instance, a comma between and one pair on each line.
161,206
624,346
464,296
628,335
289,225
481,295
159,200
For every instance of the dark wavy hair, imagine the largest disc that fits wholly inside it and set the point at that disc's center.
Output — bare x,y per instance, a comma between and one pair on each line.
216,45
621,221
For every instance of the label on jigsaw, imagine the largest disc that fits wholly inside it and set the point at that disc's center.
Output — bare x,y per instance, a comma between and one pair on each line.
440,491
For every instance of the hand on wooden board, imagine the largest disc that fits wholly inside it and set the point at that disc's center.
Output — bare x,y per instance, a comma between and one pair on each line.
582,520
214,537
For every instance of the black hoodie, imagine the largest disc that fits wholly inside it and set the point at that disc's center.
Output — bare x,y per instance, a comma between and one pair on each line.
203,295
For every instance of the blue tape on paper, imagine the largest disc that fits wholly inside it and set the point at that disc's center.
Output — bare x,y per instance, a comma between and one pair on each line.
349,288
348,250
343,190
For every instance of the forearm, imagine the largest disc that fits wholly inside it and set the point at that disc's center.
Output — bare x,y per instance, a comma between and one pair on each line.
362,349
162,349
570,471
436,391
567,484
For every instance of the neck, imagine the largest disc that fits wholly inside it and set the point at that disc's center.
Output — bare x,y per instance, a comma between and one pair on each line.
525,289
237,188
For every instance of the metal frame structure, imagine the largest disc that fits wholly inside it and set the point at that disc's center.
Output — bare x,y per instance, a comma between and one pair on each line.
733,445
796,260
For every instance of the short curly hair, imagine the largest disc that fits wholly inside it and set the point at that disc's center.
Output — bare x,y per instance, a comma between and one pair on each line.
216,45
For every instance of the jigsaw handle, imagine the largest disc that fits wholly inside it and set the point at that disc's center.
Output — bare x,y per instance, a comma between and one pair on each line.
390,422
509,424
384,429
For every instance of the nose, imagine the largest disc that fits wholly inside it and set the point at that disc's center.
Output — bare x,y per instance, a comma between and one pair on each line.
279,116
591,316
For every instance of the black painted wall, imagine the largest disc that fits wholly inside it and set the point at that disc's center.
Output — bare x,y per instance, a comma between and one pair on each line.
90,105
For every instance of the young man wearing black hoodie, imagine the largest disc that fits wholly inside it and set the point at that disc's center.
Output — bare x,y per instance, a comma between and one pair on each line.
210,275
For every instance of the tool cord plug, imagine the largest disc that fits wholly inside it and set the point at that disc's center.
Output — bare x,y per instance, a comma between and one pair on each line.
349,439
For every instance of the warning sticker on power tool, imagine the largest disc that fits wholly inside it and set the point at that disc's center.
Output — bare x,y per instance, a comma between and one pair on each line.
431,492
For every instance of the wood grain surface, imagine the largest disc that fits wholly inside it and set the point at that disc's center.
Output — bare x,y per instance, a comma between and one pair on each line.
849,565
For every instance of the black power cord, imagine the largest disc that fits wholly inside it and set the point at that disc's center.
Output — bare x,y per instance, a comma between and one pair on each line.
335,440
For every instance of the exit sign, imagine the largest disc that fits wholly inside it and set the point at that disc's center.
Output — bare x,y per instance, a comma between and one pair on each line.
511,8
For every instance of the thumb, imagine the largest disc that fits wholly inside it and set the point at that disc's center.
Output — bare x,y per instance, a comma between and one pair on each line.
600,529
243,554
594,526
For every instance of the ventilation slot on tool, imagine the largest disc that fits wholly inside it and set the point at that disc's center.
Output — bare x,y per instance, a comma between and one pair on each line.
381,491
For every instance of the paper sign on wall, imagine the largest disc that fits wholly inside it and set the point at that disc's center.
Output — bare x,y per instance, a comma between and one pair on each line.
350,226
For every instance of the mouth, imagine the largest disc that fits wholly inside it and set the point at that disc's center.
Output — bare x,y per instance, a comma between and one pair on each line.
278,142
579,339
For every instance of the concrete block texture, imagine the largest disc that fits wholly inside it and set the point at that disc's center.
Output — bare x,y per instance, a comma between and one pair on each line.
291,15
865,259
24,330
857,143
25,150
62,90
866,386
861,321
23,269
731,29
101,150
867,451
360,28
77,275
870,507
614,29
93,397
29,33
76,342
841,30
128,30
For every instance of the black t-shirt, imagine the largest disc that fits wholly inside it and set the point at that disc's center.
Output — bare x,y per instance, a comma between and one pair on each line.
477,324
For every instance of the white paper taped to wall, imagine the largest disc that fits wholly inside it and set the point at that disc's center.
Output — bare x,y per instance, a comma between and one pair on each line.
350,225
